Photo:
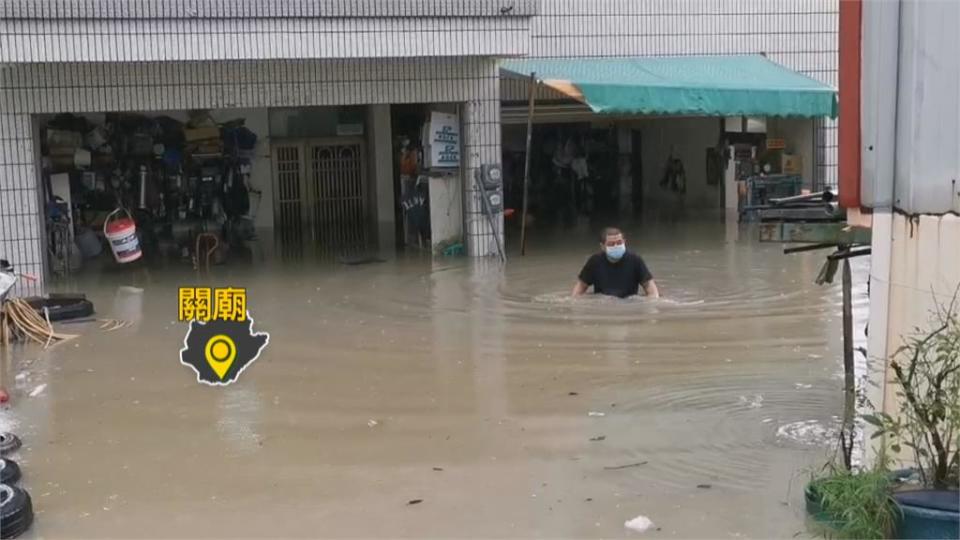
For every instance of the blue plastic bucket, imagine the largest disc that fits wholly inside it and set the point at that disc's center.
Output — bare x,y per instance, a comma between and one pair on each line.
929,513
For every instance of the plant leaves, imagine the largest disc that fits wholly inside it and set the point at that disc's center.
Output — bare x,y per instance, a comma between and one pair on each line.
872,419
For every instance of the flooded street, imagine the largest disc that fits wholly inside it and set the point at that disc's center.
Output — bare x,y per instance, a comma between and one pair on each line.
508,408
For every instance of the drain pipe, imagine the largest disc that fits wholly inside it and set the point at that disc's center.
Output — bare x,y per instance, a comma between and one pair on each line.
531,103
882,28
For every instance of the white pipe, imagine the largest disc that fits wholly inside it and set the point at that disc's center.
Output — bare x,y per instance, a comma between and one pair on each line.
881,244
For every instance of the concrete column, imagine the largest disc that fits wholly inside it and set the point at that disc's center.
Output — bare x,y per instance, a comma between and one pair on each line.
625,145
446,210
481,125
381,175
21,221
730,196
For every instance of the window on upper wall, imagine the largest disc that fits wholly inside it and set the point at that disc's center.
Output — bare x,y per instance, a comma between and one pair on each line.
756,125
740,124
317,121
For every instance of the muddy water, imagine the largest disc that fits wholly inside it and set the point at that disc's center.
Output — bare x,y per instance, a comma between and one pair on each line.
453,382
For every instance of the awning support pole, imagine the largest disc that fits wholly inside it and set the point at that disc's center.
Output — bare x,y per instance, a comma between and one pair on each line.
531,103
849,382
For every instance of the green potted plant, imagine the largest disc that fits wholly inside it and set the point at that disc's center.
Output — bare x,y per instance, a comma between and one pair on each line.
853,504
920,501
926,427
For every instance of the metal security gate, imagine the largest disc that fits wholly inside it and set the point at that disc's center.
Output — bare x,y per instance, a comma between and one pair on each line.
320,191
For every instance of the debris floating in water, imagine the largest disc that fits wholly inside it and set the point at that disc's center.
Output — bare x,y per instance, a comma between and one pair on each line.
639,524
807,432
600,438
414,501
754,403
596,413
36,391
627,466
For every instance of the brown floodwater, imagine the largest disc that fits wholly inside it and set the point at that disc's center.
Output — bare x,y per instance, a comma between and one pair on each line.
508,408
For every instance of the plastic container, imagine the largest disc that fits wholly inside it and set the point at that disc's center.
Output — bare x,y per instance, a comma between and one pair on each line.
121,234
929,513
89,244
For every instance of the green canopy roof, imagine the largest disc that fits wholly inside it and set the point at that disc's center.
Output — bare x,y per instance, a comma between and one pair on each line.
748,85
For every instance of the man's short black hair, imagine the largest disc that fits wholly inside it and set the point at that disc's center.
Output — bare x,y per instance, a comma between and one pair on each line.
608,232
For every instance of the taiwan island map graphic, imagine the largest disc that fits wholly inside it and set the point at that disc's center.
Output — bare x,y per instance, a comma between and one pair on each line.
219,350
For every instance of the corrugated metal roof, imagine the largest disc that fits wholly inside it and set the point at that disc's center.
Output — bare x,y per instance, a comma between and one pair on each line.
911,137
158,40
684,85
189,9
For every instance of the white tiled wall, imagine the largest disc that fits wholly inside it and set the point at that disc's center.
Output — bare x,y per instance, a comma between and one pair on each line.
20,226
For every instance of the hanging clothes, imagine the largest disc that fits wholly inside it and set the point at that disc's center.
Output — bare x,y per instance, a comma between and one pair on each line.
674,176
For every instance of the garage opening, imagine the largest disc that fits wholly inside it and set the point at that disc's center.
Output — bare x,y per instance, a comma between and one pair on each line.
574,173
657,138
204,187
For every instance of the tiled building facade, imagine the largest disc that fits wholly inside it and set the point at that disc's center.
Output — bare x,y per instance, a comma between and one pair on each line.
111,55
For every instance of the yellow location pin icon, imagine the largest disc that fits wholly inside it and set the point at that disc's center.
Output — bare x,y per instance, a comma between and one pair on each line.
220,352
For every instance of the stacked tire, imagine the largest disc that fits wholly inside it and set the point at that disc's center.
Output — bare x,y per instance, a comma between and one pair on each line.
16,508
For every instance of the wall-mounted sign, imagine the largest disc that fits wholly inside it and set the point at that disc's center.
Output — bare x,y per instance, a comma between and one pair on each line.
776,144
443,141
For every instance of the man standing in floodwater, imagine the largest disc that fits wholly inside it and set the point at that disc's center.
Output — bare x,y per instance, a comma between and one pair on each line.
615,271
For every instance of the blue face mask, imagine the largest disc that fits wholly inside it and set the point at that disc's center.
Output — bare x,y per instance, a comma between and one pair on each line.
615,253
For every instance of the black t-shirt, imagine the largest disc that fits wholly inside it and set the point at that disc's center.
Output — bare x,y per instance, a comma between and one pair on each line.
622,278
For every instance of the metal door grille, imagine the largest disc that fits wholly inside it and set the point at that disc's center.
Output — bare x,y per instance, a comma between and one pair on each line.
289,175
337,182
320,193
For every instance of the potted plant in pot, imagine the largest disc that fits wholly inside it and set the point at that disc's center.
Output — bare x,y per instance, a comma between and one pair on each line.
922,500
926,427
853,504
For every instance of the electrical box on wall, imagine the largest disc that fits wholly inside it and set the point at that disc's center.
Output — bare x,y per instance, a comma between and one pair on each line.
441,141
491,181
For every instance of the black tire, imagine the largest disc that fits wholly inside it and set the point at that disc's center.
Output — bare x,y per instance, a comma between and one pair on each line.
8,442
9,471
62,307
16,511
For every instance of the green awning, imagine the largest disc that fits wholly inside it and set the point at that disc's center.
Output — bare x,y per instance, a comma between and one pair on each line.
748,85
